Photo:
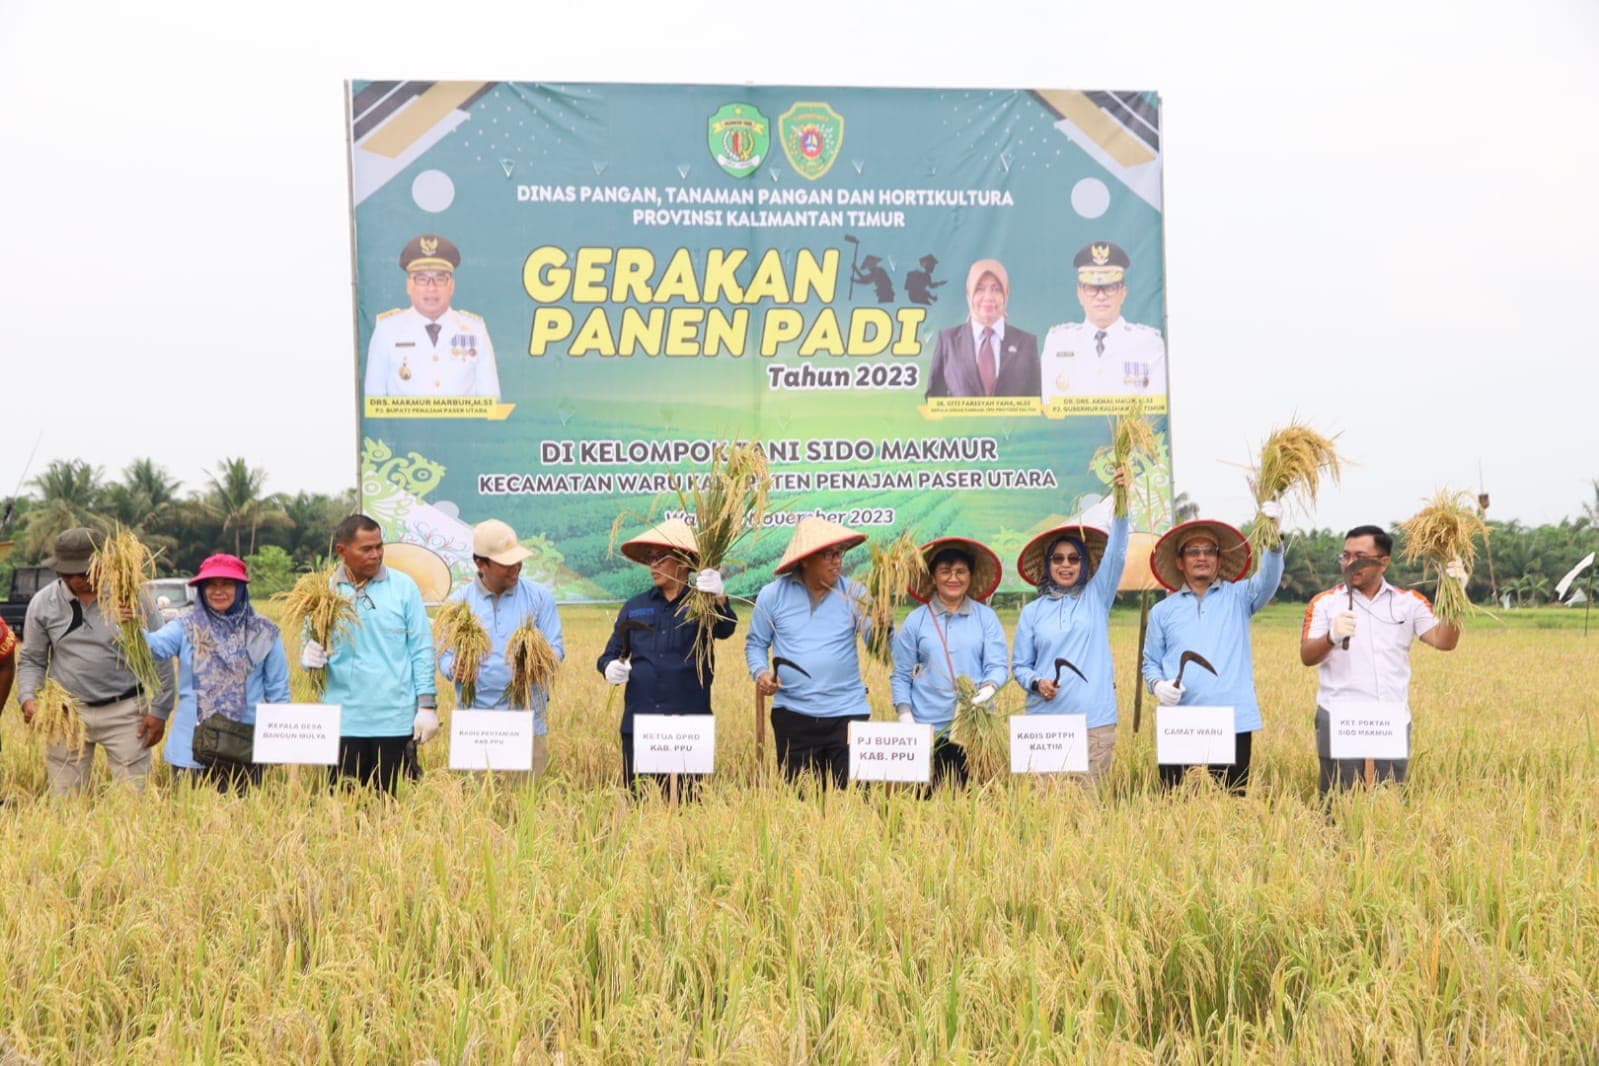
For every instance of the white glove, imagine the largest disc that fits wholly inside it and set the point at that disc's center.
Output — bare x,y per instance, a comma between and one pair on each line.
313,656
710,583
1343,625
617,671
1457,570
907,718
425,726
1169,693
1272,509
985,692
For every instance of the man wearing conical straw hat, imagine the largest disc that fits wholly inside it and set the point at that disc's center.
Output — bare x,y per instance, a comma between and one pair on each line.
1208,610
810,615
1358,635
68,636
953,634
652,649
502,599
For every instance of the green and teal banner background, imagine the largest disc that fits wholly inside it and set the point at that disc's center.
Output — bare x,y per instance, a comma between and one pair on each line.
653,269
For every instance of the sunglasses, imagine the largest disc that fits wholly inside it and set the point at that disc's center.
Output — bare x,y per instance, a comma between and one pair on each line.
1072,559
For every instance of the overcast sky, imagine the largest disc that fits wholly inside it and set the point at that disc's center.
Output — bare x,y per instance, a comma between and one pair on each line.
1380,217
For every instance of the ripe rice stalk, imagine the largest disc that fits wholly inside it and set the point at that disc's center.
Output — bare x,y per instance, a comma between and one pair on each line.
896,568
1442,531
1292,463
458,632
1132,437
982,731
56,717
315,608
532,661
119,570
729,503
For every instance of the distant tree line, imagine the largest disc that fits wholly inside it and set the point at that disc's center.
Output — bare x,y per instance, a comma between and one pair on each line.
280,534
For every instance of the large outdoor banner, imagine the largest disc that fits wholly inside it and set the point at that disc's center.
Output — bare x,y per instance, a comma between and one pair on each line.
925,304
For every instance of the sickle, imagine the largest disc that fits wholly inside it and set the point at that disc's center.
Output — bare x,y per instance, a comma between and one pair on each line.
1355,567
625,631
1067,664
1195,658
778,660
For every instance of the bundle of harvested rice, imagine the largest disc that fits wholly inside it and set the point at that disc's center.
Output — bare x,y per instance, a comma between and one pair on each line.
982,731
532,661
315,608
458,632
1292,463
56,717
729,503
118,571
897,567
1443,531
1132,437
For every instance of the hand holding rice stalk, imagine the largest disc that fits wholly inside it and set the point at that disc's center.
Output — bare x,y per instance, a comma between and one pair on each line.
897,567
315,608
1441,535
1292,463
728,504
1132,437
532,662
982,731
458,632
118,571
56,717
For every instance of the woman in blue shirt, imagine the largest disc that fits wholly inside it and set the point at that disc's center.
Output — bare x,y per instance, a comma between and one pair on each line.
229,659
954,634
1077,570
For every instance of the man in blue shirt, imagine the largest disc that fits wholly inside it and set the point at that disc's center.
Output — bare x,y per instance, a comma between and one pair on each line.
810,615
1209,611
503,599
381,673
652,648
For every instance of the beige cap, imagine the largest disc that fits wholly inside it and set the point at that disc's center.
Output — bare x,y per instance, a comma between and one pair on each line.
497,541
1233,545
986,570
674,534
1032,565
814,534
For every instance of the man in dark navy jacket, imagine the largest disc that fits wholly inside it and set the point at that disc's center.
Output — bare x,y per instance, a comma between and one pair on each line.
651,650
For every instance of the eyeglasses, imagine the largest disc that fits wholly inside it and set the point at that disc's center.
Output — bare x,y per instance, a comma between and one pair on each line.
1103,290
1350,557
659,555
1072,559
831,553
1200,553
431,278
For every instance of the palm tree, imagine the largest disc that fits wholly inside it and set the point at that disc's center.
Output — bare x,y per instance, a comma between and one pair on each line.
146,501
237,499
70,493
1183,509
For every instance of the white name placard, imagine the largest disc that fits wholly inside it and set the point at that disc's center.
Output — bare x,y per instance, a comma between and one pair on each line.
674,743
890,751
1361,730
491,740
303,733
1048,743
1195,736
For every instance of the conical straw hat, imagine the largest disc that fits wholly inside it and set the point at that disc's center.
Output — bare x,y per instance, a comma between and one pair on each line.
673,534
985,567
1136,575
812,535
1235,555
1032,565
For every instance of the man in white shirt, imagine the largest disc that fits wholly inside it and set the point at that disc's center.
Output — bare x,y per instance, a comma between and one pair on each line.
430,348
1359,635
1103,355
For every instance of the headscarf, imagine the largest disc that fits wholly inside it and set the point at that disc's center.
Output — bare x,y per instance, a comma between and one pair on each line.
227,647
1047,586
975,274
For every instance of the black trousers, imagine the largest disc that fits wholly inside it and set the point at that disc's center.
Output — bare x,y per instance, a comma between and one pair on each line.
819,745
375,760
1234,778
224,777
688,785
949,765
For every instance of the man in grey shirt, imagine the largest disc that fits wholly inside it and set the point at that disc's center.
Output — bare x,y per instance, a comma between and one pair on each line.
69,636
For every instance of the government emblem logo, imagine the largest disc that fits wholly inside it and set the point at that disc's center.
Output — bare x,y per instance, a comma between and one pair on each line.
812,134
740,137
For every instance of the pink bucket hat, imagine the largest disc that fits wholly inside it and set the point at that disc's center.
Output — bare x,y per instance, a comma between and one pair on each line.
229,566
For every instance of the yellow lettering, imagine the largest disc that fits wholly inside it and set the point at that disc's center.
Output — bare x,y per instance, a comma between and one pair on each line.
683,331
910,320
633,269
637,330
824,335
678,283
544,274
811,276
870,330
726,332
588,282
782,324
769,282
594,336
550,325
720,283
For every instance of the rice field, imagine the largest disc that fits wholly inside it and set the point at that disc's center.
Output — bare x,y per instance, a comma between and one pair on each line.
480,921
